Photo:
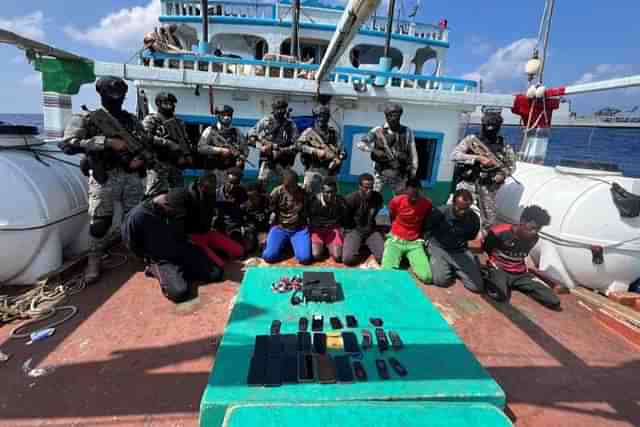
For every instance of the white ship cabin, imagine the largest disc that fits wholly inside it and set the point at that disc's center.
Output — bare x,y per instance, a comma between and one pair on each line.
247,61
253,31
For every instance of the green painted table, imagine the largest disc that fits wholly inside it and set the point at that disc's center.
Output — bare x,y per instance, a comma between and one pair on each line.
378,414
440,367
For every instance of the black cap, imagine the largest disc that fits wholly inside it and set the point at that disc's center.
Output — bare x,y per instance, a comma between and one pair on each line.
321,109
111,86
493,118
279,103
225,109
166,96
393,108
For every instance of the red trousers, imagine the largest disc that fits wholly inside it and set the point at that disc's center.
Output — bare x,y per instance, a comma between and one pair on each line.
214,240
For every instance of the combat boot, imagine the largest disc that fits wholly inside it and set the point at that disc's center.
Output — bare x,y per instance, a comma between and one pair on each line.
92,273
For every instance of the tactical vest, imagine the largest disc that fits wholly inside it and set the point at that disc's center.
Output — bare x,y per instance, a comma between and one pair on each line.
231,136
104,161
398,144
475,172
281,136
330,138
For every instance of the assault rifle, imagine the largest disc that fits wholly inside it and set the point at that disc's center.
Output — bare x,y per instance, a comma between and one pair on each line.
395,161
174,130
222,142
334,154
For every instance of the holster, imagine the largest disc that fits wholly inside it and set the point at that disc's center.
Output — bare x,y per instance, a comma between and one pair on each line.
90,166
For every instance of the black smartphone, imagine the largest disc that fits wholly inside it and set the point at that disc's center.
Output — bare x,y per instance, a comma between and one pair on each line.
289,343
274,372
305,368
319,343
397,366
350,342
261,347
381,339
361,374
381,366
275,346
351,321
275,327
290,368
257,371
344,372
303,324
317,322
326,368
335,323
304,342
366,339
396,342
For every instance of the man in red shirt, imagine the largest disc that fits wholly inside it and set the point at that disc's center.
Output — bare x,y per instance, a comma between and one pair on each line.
507,247
408,213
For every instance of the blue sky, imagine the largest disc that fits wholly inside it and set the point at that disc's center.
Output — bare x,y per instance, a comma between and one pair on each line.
591,40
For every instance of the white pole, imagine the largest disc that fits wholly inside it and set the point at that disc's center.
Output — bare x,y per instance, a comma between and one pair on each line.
356,12
620,83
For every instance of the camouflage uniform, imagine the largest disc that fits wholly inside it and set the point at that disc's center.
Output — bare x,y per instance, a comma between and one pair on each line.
470,175
110,176
211,144
320,140
394,161
282,136
165,174
121,184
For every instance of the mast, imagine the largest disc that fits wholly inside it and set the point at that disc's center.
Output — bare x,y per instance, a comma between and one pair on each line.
385,59
387,38
546,38
294,29
203,47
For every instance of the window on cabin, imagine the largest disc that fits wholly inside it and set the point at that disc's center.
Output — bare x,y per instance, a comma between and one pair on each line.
367,56
425,61
311,50
426,148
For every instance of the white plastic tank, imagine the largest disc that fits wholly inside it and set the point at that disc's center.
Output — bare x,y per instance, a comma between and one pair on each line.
583,215
43,206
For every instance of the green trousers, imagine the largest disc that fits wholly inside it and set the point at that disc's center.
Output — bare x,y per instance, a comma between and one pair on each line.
395,249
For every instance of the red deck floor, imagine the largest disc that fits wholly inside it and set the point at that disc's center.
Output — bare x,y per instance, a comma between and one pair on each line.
131,358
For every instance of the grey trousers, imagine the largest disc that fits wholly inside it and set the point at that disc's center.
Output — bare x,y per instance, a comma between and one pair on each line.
446,267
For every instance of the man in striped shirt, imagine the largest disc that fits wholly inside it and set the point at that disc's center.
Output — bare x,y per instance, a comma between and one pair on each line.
507,247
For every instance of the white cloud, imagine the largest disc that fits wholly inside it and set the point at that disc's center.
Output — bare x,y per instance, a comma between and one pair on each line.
32,79
122,30
611,71
478,45
30,26
505,65
606,71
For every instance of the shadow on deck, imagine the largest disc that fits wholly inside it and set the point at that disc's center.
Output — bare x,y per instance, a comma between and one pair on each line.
132,358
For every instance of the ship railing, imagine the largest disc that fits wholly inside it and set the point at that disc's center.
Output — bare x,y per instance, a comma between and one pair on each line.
220,8
285,70
268,11
408,28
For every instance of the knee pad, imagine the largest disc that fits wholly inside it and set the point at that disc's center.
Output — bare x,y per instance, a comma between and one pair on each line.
100,226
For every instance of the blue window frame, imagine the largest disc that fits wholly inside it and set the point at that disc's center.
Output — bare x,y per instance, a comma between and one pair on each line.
428,145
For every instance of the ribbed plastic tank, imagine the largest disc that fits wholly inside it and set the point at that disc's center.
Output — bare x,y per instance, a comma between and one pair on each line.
43,217
583,215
